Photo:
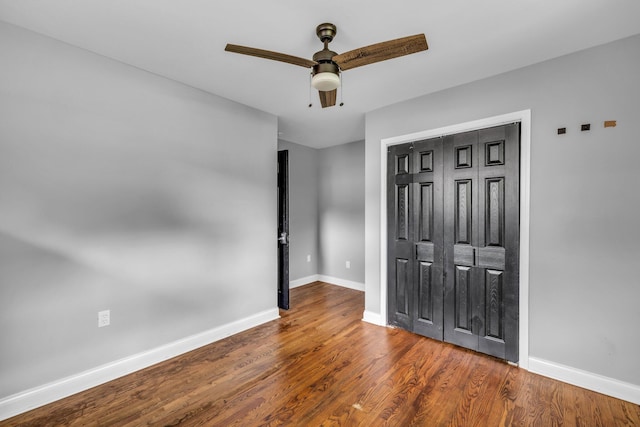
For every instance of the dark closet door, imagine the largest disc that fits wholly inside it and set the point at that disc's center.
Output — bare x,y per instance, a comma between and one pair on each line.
427,217
400,241
453,239
415,236
481,240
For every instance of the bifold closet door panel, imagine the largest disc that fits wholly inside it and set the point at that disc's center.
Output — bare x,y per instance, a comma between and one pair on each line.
427,206
461,290
498,240
400,250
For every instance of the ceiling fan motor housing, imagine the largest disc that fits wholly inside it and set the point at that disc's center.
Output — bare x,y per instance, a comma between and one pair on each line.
324,58
326,67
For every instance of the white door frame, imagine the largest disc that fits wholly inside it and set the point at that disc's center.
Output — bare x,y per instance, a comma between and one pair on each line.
524,118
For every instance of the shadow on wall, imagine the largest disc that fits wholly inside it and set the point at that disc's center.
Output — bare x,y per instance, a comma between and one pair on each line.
154,248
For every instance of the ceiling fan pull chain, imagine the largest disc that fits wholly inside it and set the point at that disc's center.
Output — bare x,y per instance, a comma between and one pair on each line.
341,89
310,77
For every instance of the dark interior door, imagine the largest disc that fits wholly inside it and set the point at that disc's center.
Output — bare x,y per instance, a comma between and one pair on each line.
453,239
283,229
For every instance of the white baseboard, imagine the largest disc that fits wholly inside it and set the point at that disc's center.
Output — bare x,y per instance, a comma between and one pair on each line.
39,396
303,281
598,383
374,318
328,279
342,282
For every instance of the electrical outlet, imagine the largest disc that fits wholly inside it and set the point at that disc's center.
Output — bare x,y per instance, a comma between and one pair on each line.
348,264
104,318
308,258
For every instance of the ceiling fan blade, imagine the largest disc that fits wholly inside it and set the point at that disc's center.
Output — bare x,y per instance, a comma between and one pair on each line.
328,98
267,54
381,51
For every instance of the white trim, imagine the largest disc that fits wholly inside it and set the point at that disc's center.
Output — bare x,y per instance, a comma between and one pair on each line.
584,379
303,281
341,282
524,117
42,395
525,214
374,318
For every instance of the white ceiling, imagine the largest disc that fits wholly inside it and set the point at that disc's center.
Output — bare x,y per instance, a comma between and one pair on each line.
184,40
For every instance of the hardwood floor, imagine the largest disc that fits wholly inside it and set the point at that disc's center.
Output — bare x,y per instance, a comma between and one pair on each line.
320,365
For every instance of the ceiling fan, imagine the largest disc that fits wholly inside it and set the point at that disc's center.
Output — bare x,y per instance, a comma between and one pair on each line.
327,64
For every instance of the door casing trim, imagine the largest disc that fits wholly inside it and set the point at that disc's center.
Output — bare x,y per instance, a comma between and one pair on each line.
524,118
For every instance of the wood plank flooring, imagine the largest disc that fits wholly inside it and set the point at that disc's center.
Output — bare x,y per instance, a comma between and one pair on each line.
320,365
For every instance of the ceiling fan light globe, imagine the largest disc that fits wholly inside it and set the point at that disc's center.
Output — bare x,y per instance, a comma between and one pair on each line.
325,81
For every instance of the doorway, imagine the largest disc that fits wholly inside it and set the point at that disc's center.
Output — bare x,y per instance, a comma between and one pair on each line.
453,238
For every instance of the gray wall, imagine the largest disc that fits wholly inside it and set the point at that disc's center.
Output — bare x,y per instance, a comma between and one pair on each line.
341,211
126,191
303,209
585,200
